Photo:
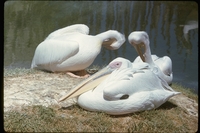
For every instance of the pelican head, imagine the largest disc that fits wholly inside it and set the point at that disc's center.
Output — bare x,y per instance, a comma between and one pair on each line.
119,63
112,39
97,78
140,41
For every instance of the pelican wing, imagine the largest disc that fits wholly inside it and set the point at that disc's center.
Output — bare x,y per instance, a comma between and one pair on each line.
128,81
81,28
124,78
165,64
53,52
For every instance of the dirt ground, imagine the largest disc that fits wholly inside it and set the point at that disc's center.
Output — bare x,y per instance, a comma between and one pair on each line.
42,88
37,89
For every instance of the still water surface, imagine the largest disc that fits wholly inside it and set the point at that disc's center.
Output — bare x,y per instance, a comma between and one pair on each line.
172,28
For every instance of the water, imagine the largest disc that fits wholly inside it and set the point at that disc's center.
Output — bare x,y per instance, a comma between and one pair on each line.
172,28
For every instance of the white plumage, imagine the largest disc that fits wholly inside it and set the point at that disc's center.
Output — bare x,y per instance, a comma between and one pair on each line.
129,88
126,91
72,49
161,66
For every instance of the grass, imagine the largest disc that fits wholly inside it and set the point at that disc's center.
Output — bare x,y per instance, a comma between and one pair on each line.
48,119
185,91
37,118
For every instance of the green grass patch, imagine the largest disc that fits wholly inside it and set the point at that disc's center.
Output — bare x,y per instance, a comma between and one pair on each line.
76,119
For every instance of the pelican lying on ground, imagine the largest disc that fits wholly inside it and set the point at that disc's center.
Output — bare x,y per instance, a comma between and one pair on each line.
160,66
71,49
125,90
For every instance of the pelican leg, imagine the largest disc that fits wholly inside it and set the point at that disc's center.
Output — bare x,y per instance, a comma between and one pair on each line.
78,74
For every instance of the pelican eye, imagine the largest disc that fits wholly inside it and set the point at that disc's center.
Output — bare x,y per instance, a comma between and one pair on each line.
126,96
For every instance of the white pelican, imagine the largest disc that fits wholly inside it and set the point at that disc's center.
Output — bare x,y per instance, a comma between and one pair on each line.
71,49
161,66
127,89
97,78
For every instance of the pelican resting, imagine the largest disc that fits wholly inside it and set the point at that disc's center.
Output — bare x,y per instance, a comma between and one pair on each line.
71,49
160,66
127,89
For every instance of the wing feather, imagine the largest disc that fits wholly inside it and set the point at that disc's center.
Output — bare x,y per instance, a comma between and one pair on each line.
81,28
54,52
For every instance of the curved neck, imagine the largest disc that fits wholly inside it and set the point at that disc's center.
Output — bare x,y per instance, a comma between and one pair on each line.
106,35
155,68
111,39
147,53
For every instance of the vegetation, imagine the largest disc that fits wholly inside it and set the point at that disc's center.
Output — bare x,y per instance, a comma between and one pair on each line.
185,91
167,118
